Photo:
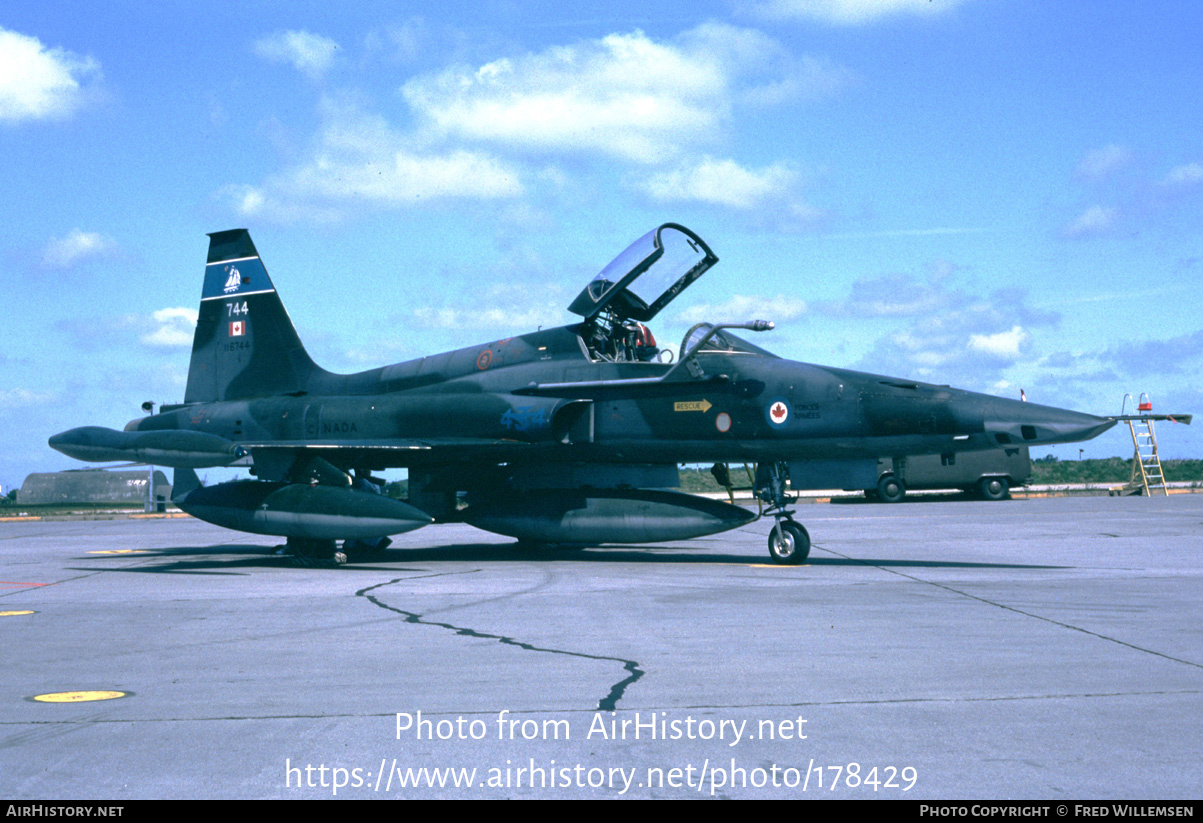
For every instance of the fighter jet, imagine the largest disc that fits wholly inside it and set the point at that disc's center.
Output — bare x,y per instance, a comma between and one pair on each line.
564,436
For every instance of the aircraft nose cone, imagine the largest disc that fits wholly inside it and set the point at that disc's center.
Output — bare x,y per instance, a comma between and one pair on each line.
1013,421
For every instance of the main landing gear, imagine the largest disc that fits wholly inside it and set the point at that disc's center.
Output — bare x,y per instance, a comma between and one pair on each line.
310,552
789,543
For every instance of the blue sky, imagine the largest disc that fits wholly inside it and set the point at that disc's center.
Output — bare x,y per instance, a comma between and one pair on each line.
997,195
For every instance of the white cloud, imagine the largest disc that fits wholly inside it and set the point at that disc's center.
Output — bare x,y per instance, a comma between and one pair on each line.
448,318
311,54
61,253
951,334
899,295
358,157
176,327
1004,344
740,308
924,352
723,182
1102,163
759,70
168,328
36,82
1190,174
15,398
1096,220
247,200
624,95
807,78
403,177
852,12
403,42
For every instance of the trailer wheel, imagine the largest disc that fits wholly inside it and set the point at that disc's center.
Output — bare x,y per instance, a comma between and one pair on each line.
993,488
890,489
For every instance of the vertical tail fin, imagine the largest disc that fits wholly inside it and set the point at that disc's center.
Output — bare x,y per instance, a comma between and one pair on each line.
245,344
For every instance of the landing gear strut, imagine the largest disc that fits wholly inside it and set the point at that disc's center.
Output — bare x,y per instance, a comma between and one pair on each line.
789,543
309,552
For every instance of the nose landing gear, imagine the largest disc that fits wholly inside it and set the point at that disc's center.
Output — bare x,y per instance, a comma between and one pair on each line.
789,542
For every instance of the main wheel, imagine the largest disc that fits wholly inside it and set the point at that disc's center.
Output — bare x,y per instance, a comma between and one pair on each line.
993,488
360,550
789,544
890,489
309,552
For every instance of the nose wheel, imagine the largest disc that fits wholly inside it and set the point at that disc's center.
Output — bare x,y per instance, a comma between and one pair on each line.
789,543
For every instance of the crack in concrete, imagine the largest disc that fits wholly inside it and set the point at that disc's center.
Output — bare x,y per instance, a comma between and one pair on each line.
1005,607
608,703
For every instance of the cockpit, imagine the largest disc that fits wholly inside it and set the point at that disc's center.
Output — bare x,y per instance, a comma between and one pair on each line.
619,302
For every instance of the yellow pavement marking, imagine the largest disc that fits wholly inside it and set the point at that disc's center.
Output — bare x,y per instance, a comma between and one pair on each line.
78,697
16,613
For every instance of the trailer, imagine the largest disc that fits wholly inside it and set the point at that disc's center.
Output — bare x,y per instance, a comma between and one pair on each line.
990,474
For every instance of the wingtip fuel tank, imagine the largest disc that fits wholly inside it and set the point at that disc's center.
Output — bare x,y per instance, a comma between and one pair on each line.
180,449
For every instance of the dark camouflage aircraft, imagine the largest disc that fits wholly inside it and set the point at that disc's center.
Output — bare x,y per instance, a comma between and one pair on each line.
570,435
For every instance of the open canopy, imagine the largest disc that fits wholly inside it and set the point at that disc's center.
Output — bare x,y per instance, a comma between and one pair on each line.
646,277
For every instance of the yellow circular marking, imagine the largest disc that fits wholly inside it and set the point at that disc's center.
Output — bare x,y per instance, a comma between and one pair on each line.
118,551
16,613
78,697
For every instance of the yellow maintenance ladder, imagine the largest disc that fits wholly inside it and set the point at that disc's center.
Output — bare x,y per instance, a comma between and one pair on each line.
1147,474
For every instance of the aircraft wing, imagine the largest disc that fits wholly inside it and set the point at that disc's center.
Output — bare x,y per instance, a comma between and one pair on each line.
466,445
274,458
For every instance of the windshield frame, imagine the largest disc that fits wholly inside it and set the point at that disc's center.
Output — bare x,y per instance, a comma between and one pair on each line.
723,342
